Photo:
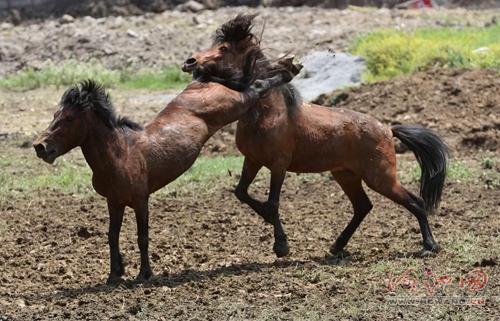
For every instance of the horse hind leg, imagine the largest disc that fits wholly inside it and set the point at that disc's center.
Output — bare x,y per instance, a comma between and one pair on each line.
351,185
389,186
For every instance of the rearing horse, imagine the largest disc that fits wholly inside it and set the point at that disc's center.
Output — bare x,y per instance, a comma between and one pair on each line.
284,134
128,161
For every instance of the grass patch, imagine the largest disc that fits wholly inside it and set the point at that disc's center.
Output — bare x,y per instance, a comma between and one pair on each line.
458,171
391,53
205,172
72,72
22,175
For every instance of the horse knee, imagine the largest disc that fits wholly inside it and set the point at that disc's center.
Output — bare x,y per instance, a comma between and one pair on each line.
363,208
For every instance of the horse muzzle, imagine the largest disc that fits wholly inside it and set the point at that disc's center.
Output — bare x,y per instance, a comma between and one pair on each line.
45,151
189,65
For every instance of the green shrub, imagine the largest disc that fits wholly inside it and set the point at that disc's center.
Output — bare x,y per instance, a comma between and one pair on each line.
71,72
391,53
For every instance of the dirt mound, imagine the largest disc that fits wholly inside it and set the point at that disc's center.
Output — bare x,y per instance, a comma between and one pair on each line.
462,105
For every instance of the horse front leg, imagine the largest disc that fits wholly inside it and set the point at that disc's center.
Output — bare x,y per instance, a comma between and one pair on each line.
271,208
248,173
115,223
142,219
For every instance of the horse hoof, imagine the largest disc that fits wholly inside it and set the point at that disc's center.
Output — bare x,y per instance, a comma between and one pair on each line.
334,249
426,253
430,250
144,276
281,249
339,252
114,280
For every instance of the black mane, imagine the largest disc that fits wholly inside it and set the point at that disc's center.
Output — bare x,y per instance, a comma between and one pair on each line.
90,94
236,29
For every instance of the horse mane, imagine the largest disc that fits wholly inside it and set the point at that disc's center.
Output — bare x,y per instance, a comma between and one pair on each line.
90,94
257,65
236,29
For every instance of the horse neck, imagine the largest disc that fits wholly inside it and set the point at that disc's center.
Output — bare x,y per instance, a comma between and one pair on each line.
103,147
193,106
268,106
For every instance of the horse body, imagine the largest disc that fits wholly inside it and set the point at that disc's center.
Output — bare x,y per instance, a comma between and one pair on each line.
129,162
284,134
311,138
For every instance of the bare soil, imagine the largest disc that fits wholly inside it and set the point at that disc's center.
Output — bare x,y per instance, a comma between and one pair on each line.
156,40
213,259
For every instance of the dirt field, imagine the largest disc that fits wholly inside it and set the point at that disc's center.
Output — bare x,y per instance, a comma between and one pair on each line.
213,259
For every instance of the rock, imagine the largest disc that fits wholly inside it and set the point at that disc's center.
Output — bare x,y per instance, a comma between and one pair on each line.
325,71
67,19
132,34
83,232
89,19
109,52
6,26
192,6
211,4
21,303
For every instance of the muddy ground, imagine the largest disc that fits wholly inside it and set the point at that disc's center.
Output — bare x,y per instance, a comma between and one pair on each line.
213,259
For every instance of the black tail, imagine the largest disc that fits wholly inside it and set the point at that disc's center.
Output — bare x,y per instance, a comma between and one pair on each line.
432,156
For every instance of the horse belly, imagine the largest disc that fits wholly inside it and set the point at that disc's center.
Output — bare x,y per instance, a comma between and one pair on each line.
314,159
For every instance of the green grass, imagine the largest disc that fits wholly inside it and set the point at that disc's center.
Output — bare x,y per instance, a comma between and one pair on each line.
205,172
391,53
458,171
69,174
21,175
72,72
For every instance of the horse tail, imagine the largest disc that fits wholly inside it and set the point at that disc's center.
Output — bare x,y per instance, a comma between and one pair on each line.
432,155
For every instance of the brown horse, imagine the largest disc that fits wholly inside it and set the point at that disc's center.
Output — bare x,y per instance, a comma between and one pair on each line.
284,134
128,161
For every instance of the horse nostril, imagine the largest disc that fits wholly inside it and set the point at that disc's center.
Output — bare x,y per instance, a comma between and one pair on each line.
40,149
190,61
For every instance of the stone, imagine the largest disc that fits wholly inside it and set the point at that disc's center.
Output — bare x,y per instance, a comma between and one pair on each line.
67,19
132,34
6,26
192,6
325,71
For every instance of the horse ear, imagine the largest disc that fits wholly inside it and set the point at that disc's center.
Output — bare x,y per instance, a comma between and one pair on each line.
288,64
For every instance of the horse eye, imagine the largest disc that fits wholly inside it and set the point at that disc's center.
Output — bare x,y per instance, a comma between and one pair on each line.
223,49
